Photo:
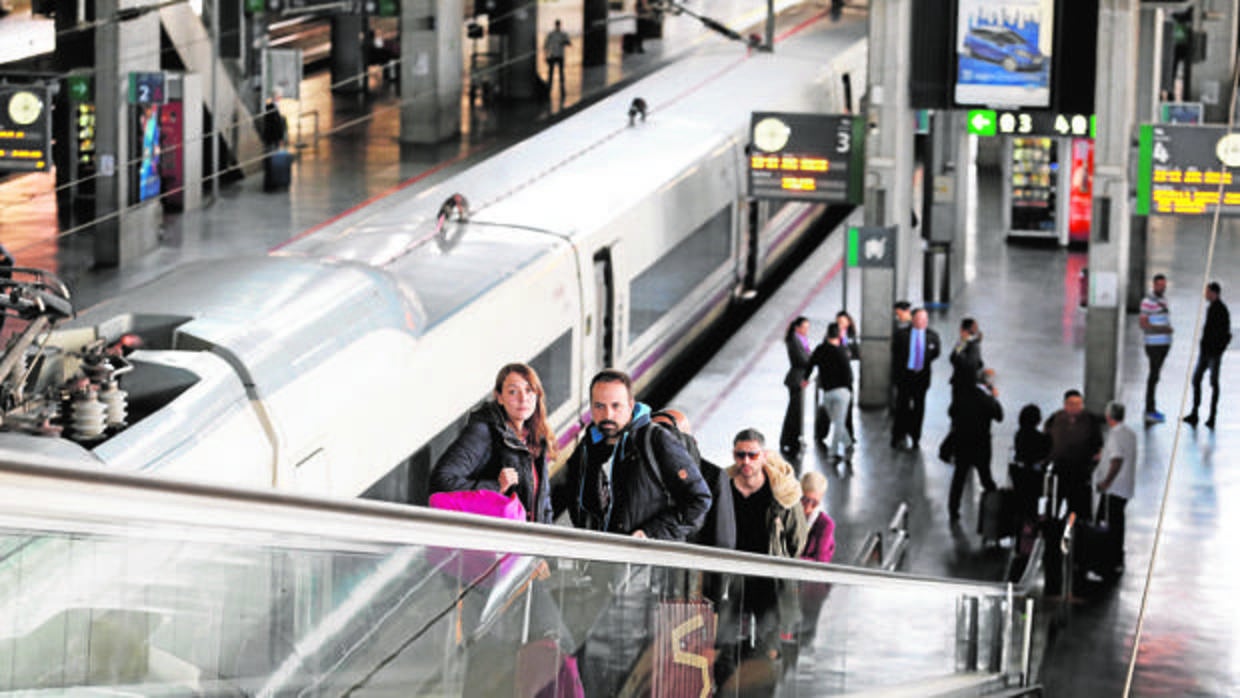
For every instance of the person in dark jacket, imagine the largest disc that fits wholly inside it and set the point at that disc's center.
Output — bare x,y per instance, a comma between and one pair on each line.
1215,336
505,446
972,415
719,528
966,358
1032,446
913,349
612,487
273,127
835,381
796,341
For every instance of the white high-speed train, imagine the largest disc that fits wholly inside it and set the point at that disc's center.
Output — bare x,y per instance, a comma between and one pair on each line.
342,363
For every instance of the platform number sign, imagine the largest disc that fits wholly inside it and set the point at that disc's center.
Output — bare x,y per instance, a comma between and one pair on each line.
808,157
146,88
25,128
1187,170
989,122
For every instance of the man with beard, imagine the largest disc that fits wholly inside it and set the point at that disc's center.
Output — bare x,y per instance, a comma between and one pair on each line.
611,484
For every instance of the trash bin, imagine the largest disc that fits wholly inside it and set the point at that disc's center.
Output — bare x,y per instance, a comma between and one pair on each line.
936,278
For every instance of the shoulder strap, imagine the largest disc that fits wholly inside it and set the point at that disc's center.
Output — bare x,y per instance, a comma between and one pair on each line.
647,440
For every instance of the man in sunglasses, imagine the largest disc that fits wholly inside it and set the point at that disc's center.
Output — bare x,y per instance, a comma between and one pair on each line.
769,520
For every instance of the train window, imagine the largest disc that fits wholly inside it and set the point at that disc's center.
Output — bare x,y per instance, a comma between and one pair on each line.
554,366
671,279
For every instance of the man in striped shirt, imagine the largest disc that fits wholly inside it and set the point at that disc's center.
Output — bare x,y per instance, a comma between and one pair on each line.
1156,324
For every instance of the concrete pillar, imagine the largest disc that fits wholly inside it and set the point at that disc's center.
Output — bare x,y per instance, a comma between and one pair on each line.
192,141
431,70
348,59
593,33
1115,104
123,230
1211,82
1150,53
889,187
520,73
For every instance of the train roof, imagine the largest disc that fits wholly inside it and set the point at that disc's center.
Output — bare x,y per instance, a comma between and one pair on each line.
593,162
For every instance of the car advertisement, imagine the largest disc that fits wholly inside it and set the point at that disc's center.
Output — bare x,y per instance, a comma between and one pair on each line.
1003,52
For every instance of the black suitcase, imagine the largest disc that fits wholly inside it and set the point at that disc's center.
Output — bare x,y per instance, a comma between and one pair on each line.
631,43
1097,547
996,515
278,170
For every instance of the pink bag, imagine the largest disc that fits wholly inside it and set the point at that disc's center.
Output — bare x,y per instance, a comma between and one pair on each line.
479,566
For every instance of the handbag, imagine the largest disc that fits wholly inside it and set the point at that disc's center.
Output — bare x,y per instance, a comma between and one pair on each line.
947,449
476,566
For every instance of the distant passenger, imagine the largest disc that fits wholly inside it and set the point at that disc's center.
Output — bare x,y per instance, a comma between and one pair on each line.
966,358
819,547
902,314
1115,479
835,382
1155,320
505,446
769,520
972,414
913,349
554,47
1215,336
719,528
796,342
1076,437
852,343
1031,448
611,486
273,128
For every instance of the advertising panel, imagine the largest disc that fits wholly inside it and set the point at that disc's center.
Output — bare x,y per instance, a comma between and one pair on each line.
148,181
1081,196
1003,52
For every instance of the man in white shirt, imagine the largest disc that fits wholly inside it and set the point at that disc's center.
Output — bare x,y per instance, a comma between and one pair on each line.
1115,477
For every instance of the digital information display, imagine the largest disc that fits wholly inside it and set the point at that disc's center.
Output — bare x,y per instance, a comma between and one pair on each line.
1179,170
989,122
146,88
25,128
1003,52
809,157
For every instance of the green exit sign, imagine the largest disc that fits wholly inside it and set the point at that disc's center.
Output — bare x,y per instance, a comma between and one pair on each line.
982,122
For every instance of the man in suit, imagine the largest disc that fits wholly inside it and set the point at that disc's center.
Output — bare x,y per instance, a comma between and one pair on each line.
796,341
913,348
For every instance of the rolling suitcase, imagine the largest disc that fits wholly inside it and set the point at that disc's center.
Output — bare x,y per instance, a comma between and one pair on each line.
1098,547
278,170
996,515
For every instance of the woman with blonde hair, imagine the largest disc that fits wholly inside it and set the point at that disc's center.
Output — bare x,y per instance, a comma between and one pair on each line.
505,446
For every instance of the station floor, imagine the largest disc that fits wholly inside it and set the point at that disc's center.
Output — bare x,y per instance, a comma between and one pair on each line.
1024,297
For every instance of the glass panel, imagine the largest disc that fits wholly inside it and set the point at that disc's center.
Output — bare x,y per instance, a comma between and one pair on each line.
217,610
673,277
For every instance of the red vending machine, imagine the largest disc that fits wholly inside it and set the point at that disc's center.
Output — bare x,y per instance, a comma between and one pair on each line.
1081,191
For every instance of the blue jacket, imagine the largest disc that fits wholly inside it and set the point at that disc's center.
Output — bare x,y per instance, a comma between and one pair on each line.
666,500
486,446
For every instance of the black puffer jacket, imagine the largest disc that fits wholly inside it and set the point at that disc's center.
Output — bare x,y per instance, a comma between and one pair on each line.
486,446
669,504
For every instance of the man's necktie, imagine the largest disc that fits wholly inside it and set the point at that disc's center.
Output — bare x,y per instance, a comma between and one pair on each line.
917,351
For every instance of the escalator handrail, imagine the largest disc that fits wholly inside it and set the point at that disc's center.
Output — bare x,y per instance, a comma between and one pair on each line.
41,492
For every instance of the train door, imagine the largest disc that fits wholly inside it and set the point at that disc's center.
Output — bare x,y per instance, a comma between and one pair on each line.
604,309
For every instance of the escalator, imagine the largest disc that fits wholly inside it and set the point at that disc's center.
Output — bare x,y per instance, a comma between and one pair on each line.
115,585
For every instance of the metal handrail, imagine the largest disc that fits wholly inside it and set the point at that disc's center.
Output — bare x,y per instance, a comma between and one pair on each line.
42,492
871,550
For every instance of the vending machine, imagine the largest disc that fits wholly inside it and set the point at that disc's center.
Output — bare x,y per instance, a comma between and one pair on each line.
1033,206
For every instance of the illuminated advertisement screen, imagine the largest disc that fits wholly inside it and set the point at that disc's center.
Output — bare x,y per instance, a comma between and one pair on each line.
148,184
809,157
1179,170
1003,52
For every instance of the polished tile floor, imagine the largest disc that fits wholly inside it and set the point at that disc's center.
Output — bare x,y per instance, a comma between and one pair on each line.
1025,298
